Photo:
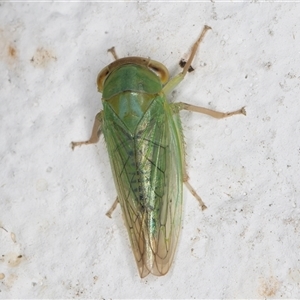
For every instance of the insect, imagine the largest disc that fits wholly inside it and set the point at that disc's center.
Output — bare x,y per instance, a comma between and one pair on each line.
144,139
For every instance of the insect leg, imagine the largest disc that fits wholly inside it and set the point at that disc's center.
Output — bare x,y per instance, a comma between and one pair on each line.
178,78
95,132
194,50
206,111
215,114
113,52
193,192
113,207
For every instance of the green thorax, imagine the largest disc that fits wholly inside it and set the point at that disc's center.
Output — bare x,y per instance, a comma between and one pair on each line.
129,107
131,77
129,91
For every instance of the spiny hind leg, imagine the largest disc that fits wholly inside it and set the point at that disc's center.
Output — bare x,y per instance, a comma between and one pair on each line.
113,207
193,191
95,135
185,179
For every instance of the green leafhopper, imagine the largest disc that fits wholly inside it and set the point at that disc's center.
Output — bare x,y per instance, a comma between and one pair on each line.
144,139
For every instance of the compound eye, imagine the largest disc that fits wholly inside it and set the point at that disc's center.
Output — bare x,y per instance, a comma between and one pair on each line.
160,70
101,78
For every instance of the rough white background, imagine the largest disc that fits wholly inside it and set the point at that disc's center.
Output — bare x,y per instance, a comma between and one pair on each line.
53,201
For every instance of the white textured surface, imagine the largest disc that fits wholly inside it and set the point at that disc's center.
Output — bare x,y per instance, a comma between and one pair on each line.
245,245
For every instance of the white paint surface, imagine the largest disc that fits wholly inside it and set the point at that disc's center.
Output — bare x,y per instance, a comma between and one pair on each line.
53,201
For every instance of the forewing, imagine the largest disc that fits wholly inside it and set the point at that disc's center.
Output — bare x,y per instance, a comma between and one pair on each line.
147,168
171,207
